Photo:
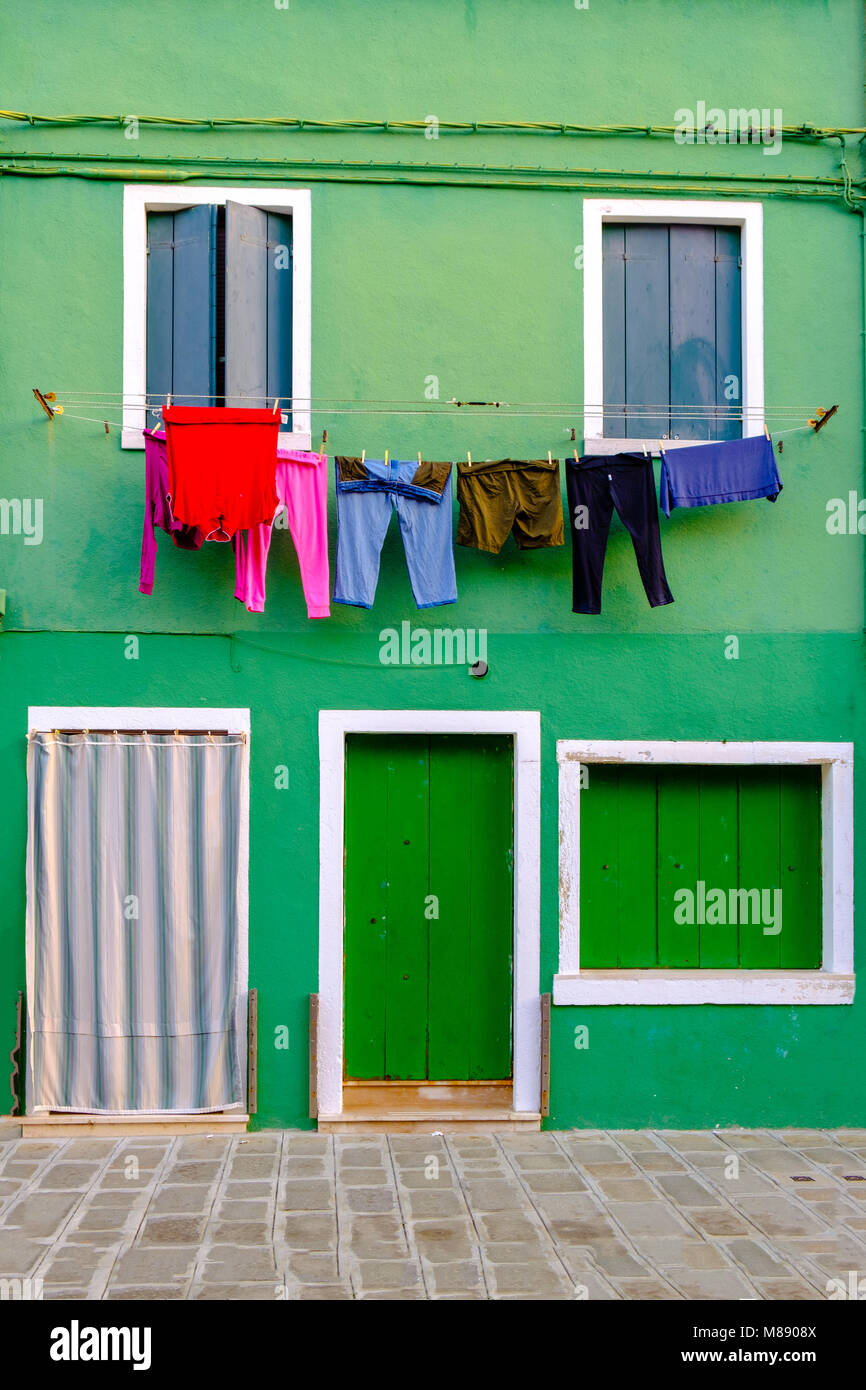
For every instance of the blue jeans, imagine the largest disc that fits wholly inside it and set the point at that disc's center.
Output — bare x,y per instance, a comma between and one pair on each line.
364,508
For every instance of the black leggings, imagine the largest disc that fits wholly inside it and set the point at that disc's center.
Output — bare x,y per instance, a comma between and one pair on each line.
595,486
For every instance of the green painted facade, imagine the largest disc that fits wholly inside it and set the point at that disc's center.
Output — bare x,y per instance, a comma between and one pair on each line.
415,276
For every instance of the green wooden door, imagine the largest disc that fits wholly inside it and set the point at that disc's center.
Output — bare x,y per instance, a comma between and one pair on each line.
428,892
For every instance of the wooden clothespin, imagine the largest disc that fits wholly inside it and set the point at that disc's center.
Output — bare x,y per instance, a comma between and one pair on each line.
419,460
324,438
468,458
363,454
386,458
276,404
576,459
550,458
766,431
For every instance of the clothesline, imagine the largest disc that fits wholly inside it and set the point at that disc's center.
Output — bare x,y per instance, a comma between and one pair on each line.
116,424
154,400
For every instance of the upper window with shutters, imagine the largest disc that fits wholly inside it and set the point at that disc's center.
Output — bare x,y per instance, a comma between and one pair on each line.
216,303
673,323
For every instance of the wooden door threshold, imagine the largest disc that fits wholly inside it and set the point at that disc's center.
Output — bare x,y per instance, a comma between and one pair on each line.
399,1122
428,1107
78,1126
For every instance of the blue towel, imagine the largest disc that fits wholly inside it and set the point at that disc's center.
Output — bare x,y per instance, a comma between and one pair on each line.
734,471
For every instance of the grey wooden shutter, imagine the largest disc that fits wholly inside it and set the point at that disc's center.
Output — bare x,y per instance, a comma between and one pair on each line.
181,305
672,330
258,300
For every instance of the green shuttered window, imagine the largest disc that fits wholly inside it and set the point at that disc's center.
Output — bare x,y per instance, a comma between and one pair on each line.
689,867
672,329
219,305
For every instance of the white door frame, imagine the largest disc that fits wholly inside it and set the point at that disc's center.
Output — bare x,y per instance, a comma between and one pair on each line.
525,728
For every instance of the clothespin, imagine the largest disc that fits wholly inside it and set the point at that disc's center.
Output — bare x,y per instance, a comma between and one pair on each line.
276,403
468,458
576,459
766,431
386,458
550,458
363,454
105,422
419,460
324,438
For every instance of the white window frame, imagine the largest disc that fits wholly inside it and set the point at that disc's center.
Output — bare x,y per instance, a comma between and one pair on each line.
160,720
832,984
749,217
138,201
525,728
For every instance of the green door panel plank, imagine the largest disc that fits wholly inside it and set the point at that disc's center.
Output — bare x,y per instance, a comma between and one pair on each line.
800,943
451,979
637,899
491,907
366,909
407,832
678,866
718,865
599,854
759,863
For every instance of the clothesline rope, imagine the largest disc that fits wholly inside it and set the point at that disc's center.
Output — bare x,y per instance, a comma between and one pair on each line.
116,424
142,399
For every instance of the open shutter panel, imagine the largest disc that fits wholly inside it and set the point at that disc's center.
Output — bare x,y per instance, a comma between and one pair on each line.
258,305
280,278
181,305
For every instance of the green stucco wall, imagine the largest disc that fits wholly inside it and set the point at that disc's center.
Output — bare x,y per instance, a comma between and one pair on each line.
478,287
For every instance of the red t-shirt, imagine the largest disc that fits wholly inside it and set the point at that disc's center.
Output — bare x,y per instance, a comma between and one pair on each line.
221,466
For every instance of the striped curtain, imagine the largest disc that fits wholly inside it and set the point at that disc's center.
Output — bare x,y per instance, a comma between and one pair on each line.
132,922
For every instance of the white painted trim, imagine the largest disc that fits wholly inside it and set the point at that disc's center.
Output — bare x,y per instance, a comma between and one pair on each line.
525,728
142,198
832,984
162,719
703,987
749,217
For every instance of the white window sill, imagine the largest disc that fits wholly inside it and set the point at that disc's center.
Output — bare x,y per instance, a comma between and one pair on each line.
134,439
606,446
703,987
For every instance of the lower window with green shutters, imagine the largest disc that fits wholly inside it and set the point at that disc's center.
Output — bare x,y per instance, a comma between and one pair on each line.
700,867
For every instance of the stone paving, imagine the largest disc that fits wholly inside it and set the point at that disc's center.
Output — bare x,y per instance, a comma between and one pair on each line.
728,1214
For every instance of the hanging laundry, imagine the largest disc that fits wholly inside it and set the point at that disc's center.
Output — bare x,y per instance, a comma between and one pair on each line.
498,496
367,493
596,484
222,464
157,510
302,488
736,470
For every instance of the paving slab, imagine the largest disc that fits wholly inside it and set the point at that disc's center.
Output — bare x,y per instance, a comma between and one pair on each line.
648,1215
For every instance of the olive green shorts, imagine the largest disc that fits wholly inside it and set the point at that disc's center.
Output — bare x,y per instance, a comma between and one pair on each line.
517,495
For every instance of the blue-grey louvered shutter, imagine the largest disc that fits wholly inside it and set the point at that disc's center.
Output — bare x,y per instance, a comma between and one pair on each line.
672,330
258,299
181,305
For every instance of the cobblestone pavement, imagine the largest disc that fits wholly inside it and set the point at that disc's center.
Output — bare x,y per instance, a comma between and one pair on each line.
752,1214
